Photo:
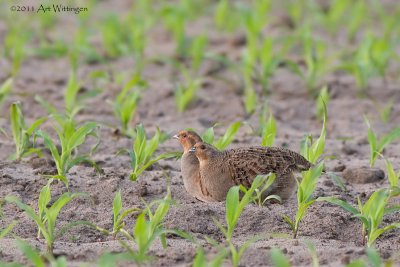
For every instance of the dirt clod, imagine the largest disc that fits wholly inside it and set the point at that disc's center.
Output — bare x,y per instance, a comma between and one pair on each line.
363,175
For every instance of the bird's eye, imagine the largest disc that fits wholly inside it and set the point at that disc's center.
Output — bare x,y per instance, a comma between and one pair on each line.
203,147
184,135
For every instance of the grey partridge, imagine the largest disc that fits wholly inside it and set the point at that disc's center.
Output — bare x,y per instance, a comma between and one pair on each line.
190,167
220,170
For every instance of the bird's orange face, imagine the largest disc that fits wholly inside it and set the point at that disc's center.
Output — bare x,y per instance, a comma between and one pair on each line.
202,150
187,139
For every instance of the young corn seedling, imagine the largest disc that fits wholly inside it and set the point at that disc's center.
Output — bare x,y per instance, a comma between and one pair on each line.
186,92
142,154
279,259
47,214
146,231
234,208
316,61
201,261
7,230
254,19
267,129
323,99
393,177
226,16
313,253
335,15
22,133
72,104
261,60
70,137
312,151
250,95
377,145
381,52
5,89
370,214
196,52
385,111
14,45
224,141
267,181
357,18
118,218
119,214
115,36
361,64
174,19
125,103
33,256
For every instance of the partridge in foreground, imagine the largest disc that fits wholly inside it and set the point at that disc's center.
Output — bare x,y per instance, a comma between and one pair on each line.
220,170
190,166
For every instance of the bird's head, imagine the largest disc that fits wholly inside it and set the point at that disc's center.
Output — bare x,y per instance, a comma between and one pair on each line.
187,139
203,151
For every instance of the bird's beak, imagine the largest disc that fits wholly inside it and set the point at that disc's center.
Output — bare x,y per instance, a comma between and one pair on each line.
175,136
193,149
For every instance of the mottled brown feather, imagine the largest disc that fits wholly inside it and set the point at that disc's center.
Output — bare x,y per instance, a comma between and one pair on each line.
221,170
246,163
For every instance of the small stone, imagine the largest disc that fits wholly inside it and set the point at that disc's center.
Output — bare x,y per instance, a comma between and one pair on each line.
345,259
328,183
349,150
90,182
238,40
363,175
339,168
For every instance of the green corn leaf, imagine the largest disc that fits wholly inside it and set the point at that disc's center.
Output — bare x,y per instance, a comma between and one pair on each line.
346,206
364,220
44,199
66,227
392,175
35,125
32,255
389,138
5,89
51,146
374,258
7,230
208,135
220,226
317,148
17,125
30,213
225,140
71,92
80,135
49,107
141,233
278,259
126,213
232,202
53,212
117,207
377,233
269,132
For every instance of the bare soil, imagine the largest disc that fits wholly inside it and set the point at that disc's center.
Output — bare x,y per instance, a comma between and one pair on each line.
336,235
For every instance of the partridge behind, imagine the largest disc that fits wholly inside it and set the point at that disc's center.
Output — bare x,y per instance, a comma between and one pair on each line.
221,170
190,166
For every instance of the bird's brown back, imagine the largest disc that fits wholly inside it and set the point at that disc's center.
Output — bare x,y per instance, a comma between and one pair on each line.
244,164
